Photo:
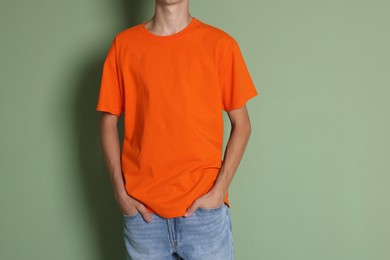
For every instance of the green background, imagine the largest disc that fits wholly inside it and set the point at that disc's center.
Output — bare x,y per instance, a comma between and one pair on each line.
314,180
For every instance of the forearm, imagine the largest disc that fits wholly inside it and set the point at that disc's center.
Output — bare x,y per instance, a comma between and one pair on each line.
111,149
235,148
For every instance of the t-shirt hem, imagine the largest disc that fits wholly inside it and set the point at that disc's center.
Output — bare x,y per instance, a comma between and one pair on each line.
241,103
109,110
178,213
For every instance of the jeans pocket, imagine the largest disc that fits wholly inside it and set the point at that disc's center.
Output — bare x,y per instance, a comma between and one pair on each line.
131,216
211,209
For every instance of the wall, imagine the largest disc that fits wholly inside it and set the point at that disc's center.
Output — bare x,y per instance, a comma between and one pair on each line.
313,183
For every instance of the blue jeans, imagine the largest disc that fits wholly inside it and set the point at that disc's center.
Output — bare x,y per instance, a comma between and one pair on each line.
206,234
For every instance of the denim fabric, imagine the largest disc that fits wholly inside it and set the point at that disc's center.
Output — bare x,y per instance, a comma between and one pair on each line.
206,234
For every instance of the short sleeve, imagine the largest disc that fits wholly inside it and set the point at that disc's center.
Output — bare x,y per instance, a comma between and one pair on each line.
111,90
235,82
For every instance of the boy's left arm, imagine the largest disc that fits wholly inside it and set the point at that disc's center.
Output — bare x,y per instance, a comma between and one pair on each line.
235,148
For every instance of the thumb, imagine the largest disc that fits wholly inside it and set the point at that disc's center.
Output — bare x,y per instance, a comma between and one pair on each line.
145,213
190,210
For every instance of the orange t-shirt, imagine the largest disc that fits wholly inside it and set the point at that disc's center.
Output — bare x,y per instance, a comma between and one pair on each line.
172,90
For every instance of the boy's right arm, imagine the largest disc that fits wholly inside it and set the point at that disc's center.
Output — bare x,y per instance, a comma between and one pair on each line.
109,140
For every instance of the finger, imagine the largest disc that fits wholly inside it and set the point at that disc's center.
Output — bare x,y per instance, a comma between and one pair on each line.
145,214
191,210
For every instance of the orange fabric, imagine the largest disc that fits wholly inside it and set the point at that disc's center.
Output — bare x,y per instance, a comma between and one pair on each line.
172,91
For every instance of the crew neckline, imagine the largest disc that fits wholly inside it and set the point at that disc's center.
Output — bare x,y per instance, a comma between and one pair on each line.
183,31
